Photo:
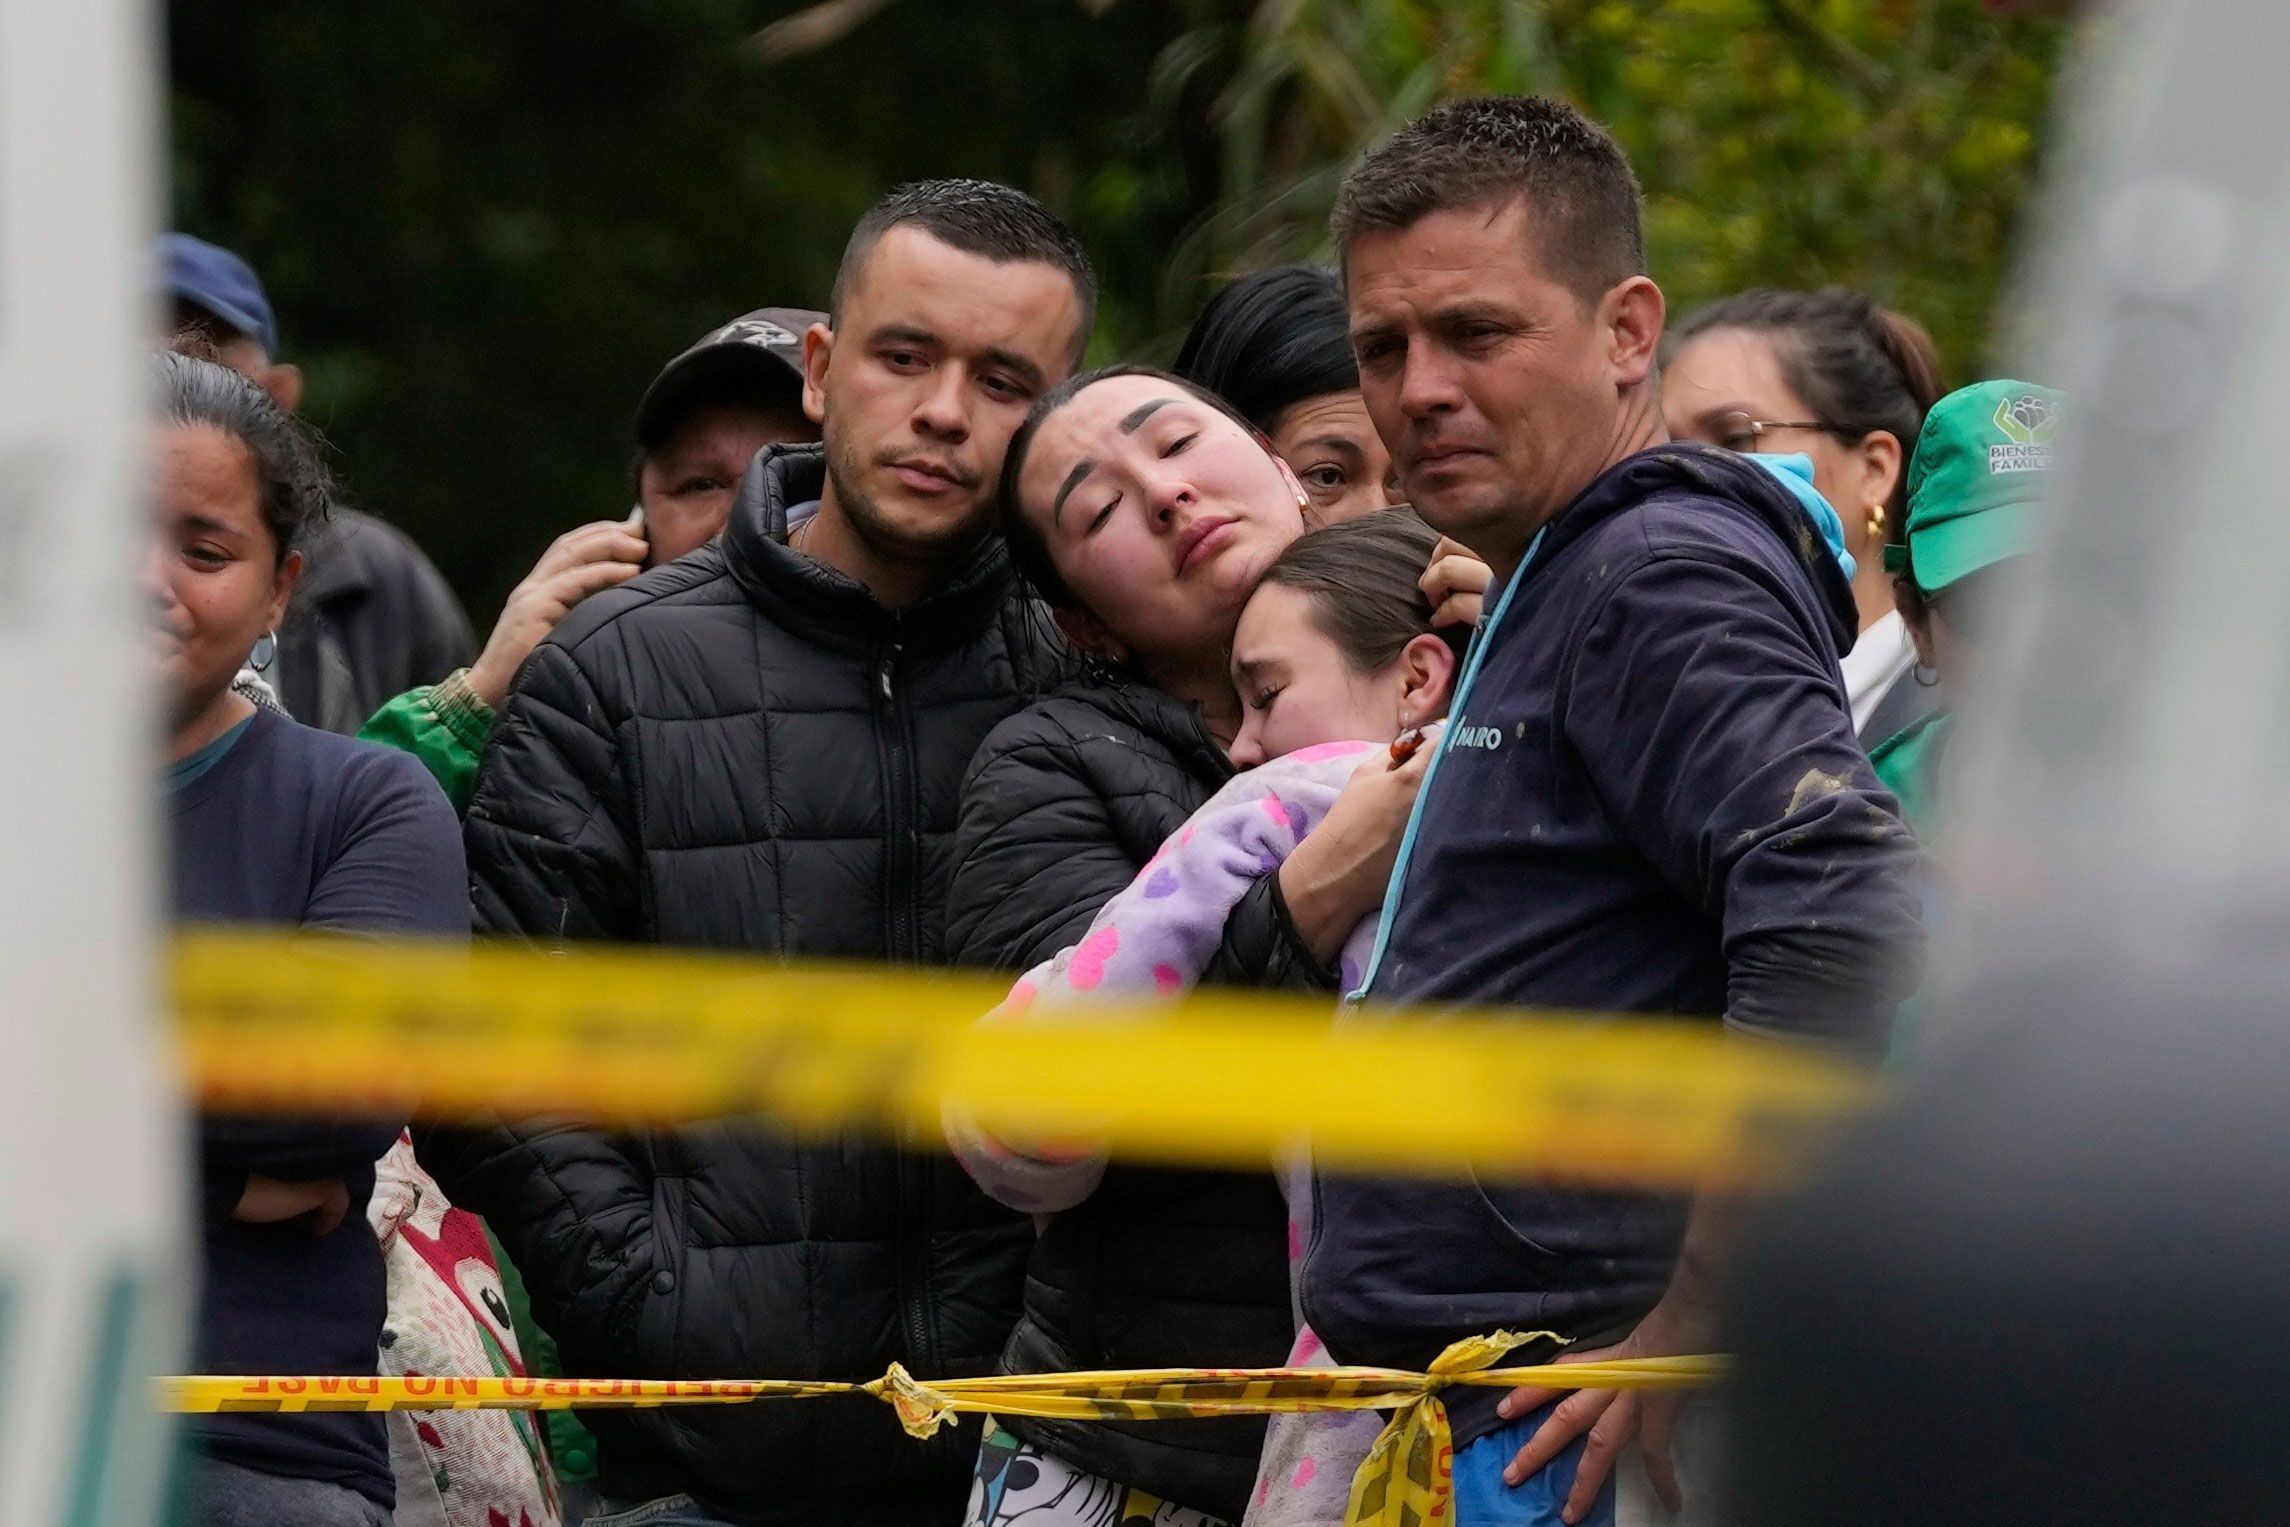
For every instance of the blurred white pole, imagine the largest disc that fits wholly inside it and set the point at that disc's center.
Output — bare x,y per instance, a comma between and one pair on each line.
93,1280
2126,779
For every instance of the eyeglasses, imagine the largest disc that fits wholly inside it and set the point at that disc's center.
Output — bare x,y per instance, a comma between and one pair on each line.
1739,432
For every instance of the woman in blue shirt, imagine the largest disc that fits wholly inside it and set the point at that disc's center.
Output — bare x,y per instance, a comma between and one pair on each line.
280,824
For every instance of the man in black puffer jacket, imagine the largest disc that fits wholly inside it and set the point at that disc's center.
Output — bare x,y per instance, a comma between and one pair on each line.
760,747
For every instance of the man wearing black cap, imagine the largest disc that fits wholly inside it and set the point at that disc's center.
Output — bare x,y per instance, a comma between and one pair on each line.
703,419
371,616
761,747
739,389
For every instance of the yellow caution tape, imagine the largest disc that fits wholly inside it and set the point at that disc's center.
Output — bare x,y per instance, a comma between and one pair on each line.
1140,1394
637,1037
1405,1480
213,1393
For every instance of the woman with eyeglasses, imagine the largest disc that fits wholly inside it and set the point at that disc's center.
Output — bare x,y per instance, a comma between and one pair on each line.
1832,376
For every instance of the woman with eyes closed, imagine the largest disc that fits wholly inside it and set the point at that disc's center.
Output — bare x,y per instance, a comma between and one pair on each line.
1145,512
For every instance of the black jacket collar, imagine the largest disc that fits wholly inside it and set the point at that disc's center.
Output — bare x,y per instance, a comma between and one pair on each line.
825,606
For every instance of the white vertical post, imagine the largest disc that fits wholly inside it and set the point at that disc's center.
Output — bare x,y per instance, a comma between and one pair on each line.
2124,775
93,1280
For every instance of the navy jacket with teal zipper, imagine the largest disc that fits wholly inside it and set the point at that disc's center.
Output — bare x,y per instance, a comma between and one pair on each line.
1651,801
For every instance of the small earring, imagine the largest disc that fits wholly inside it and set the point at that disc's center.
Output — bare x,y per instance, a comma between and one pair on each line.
1920,672
264,654
1876,522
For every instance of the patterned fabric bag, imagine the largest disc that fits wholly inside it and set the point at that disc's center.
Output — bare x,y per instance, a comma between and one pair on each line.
449,1317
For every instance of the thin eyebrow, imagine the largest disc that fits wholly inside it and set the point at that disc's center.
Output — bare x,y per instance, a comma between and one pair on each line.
1081,469
1135,419
1130,424
202,525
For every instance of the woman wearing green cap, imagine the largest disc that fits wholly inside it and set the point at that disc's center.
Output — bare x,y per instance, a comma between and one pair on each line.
1975,492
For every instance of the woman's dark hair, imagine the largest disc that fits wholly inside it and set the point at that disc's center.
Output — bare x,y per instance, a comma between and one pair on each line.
1859,367
1915,605
1272,339
1029,553
296,490
1363,577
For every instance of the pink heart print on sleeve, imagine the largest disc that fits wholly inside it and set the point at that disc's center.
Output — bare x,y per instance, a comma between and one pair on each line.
1087,969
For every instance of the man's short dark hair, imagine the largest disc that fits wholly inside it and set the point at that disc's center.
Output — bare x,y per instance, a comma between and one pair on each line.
1489,151
978,217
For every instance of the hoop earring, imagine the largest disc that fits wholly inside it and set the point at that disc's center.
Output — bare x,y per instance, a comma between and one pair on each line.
1919,673
265,652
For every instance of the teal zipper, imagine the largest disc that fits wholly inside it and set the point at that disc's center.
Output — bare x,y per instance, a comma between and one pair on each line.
1479,645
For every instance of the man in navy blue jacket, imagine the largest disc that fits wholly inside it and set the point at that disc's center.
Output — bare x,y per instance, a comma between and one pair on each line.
1651,799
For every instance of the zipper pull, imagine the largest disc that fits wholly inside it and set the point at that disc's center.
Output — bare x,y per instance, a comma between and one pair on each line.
890,661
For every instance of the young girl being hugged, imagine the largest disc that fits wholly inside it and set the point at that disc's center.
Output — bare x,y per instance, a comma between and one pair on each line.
1337,669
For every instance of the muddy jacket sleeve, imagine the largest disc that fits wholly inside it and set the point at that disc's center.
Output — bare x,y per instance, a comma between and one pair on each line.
1714,727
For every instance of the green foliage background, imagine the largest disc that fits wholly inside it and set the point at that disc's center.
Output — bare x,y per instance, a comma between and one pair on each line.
486,225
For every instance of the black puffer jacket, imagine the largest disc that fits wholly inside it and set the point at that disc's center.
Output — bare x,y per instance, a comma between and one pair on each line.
743,750
1159,1268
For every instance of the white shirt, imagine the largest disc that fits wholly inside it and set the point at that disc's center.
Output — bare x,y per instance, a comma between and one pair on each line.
1880,659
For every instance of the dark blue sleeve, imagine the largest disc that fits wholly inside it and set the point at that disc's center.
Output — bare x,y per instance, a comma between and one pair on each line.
393,865
396,865
1705,709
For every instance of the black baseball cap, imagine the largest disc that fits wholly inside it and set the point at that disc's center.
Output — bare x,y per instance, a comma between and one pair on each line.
758,354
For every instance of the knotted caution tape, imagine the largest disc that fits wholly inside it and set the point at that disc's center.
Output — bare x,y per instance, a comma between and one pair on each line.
1406,1480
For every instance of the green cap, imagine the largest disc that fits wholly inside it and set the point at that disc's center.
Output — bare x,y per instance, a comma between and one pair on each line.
1978,479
